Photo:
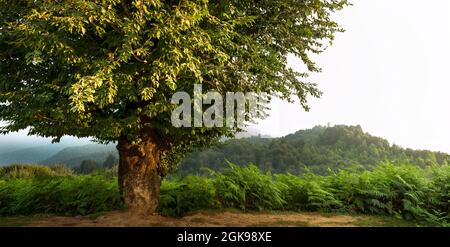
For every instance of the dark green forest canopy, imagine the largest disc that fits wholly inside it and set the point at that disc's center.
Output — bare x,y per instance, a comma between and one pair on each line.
106,68
318,150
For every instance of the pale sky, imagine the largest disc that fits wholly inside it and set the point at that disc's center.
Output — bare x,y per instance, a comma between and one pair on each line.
389,72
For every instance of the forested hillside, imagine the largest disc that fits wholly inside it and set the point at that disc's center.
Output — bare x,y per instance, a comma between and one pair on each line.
29,155
319,149
74,156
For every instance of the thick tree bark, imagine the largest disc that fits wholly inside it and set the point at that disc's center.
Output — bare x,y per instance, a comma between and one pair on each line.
139,181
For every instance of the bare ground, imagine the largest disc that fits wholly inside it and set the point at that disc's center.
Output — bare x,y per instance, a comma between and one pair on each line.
118,218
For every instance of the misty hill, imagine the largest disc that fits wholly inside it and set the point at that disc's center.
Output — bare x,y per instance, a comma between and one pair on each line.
70,151
18,148
7,148
73,156
64,153
15,154
320,148
11,143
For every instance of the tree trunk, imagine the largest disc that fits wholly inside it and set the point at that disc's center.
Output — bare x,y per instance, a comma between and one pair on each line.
139,181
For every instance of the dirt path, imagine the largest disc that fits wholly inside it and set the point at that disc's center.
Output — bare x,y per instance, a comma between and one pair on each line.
206,219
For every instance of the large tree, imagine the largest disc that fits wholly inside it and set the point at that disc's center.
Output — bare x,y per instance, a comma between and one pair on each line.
106,69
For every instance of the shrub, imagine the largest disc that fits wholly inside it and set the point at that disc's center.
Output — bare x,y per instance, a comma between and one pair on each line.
247,188
179,197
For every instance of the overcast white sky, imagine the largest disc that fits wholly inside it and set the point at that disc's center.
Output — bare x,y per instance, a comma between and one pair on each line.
389,72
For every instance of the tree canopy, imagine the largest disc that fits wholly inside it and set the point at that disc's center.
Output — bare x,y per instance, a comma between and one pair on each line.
107,69
104,68
319,150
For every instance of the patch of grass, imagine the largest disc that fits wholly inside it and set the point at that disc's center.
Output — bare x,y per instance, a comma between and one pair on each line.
385,221
18,221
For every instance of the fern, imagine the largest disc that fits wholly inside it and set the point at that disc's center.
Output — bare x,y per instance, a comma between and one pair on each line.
414,193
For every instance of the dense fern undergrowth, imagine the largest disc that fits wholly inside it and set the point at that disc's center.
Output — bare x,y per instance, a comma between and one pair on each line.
408,192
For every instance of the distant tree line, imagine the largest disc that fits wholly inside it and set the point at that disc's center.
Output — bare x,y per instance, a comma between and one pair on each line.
89,166
320,150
